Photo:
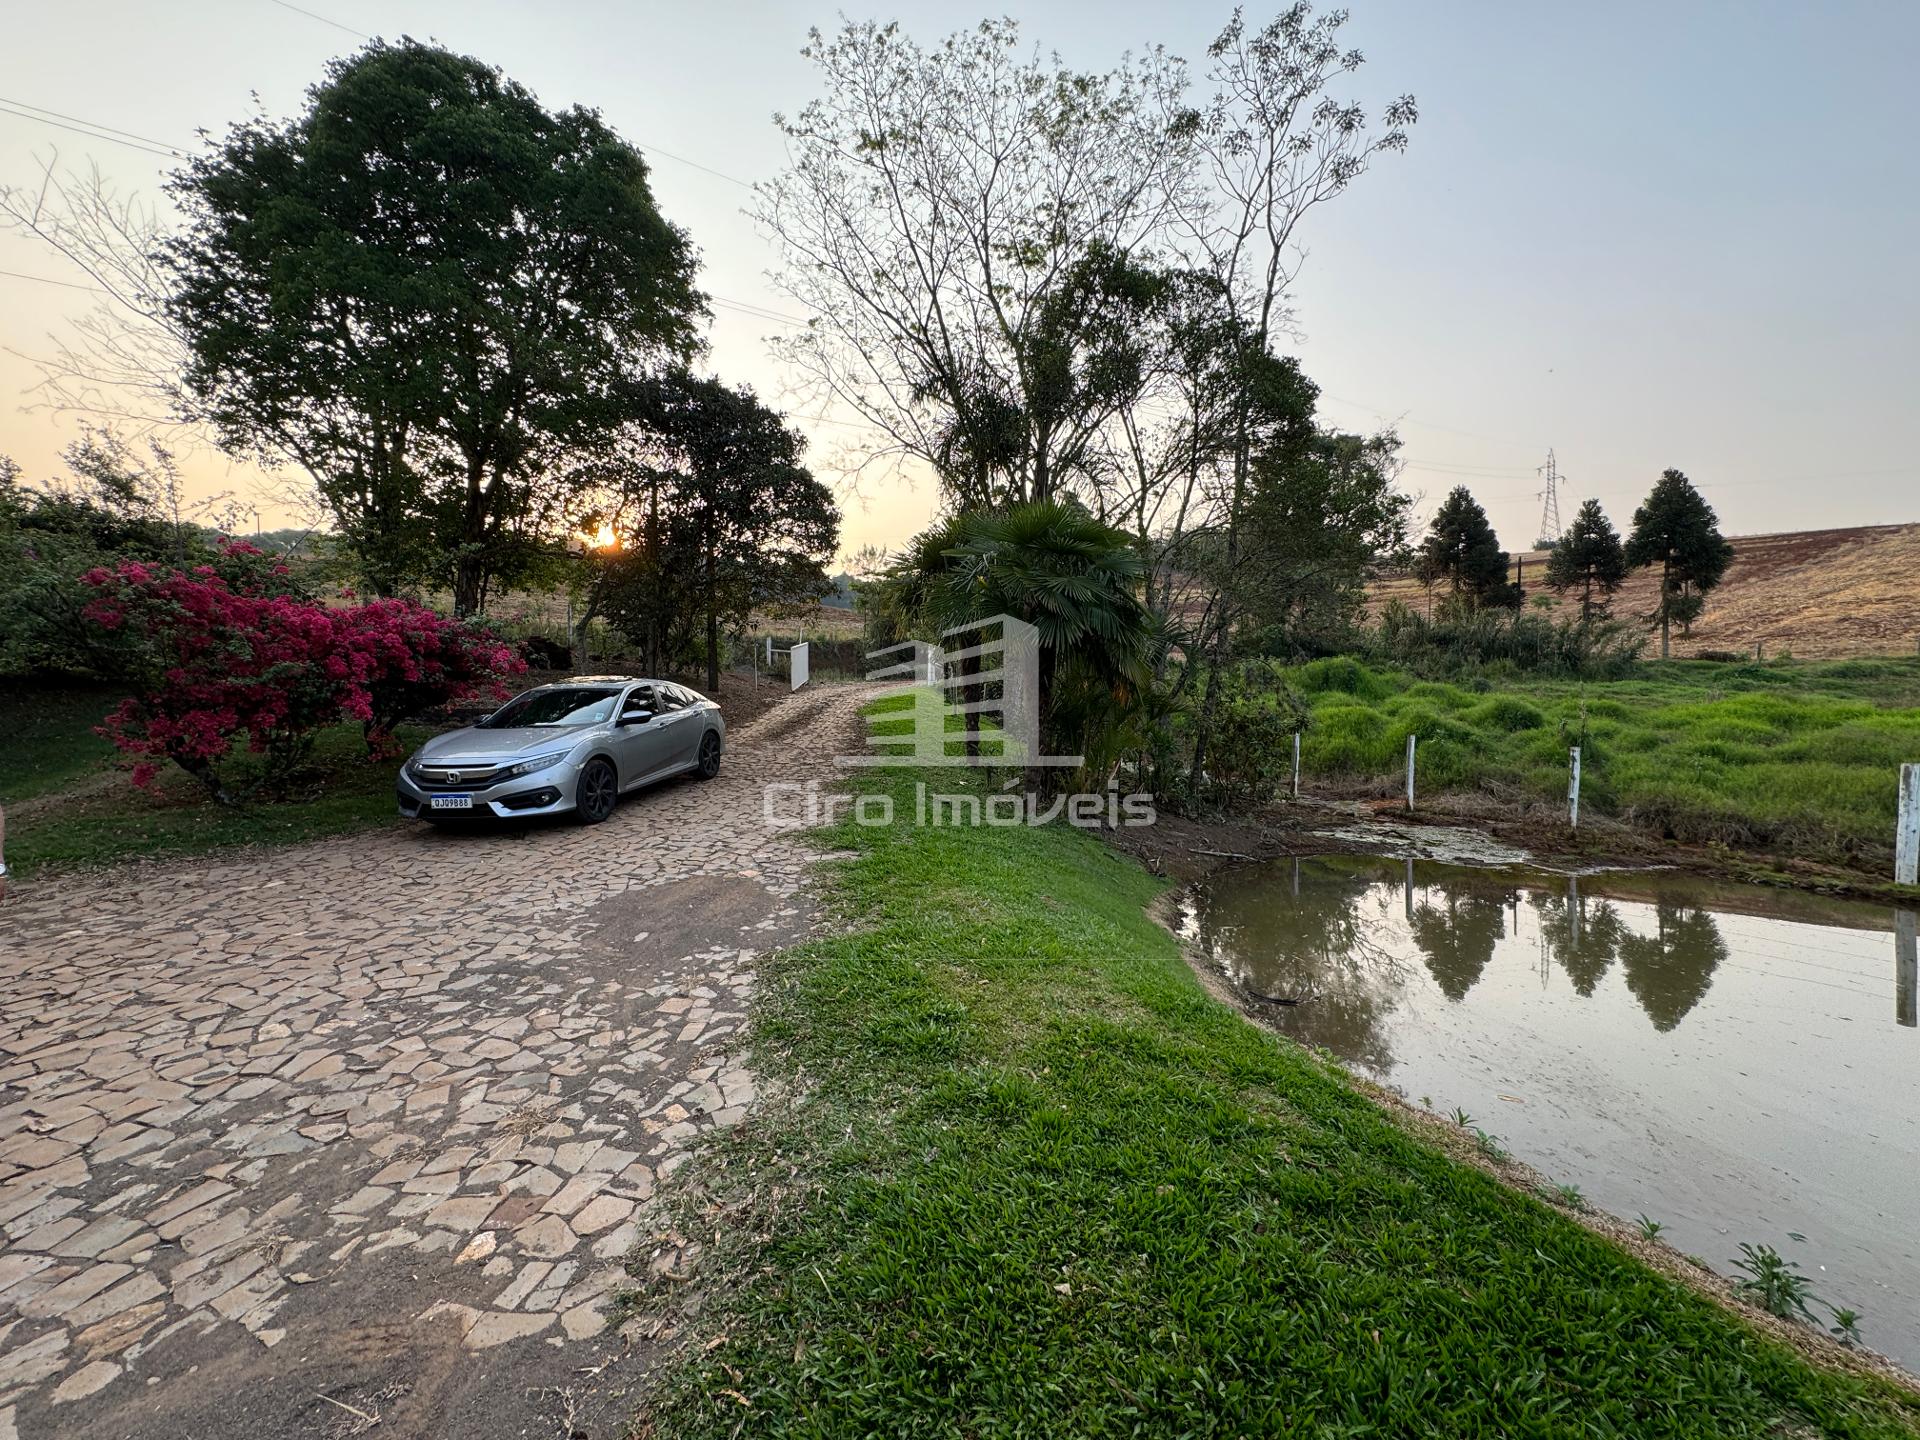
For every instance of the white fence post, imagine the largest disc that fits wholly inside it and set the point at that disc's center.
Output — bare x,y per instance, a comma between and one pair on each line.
1410,741
1296,764
1906,843
799,670
1573,790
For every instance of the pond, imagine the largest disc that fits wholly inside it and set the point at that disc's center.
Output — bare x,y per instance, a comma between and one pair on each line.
1741,1064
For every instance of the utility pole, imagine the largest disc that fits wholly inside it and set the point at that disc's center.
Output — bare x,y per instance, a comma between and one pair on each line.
1549,504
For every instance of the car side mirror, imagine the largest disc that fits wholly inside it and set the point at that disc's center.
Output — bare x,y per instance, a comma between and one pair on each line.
636,717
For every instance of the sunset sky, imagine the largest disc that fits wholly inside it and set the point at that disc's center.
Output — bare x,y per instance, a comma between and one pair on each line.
1644,235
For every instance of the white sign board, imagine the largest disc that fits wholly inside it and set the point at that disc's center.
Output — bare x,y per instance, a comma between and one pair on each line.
797,659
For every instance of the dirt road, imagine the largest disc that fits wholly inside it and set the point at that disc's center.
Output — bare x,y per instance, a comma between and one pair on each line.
359,1134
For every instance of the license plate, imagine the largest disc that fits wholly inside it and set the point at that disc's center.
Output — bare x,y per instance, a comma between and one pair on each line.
450,802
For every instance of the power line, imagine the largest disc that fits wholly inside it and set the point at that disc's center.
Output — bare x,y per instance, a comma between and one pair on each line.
758,312
49,280
753,311
1404,419
315,15
90,124
156,147
132,140
717,174
652,149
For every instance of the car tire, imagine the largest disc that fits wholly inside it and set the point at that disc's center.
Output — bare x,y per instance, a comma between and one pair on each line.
596,792
709,765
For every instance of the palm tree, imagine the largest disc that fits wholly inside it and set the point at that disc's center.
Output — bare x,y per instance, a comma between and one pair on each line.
1077,582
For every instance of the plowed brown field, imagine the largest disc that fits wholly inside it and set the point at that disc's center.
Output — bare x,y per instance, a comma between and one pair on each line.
1821,594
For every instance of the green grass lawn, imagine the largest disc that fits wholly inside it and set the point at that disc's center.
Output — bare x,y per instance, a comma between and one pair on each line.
49,742
1792,758
1036,1182
68,805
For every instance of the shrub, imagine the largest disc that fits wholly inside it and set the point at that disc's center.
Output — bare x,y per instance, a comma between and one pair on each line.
1344,674
1252,751
543,652
212,660
1347,739
1502,641
1507,712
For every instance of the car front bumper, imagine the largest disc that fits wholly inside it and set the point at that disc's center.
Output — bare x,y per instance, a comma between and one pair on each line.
544,792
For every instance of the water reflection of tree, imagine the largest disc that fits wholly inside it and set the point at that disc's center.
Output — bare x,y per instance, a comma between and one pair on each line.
1457,938
1316,942
1670,971
1582,935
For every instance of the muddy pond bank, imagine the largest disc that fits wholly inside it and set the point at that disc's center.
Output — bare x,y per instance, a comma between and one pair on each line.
1473,829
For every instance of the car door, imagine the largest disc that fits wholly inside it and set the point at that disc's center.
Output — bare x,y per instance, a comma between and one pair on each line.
683,723
640,746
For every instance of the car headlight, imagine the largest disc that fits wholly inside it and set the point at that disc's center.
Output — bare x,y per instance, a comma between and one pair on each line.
538,762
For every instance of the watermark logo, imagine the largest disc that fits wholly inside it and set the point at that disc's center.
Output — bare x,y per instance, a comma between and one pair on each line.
971,701
992,674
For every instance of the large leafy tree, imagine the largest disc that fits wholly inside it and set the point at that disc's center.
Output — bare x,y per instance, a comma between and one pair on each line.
1588,558
423,289
718,517
1677,530
1322,514
1462,551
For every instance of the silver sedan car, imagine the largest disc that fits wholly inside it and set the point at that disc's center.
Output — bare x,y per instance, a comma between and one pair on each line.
574,747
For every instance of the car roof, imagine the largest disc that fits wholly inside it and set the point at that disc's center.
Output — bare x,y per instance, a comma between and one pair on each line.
610,680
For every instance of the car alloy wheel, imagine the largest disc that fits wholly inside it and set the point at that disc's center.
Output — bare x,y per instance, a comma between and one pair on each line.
709,755
596,793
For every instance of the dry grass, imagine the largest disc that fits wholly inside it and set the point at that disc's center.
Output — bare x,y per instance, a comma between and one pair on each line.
1821,594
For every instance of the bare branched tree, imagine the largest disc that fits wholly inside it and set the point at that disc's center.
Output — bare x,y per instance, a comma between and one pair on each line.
946,217
1277,144
1042,282
121,360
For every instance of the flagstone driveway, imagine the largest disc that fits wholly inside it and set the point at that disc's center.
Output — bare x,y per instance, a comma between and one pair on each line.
305,1141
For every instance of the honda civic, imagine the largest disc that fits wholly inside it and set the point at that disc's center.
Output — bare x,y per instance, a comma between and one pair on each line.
574,747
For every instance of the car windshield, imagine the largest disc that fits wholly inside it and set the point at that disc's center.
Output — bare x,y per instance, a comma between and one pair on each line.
566,705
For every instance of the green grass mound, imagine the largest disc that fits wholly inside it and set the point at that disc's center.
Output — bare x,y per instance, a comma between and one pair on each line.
1802,759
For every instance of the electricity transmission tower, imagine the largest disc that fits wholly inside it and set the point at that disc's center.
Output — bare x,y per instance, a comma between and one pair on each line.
1549,505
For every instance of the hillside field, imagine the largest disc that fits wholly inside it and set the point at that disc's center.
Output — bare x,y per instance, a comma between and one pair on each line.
1819,594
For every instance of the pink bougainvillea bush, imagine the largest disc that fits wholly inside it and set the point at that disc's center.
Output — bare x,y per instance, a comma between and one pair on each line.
407,659
225,654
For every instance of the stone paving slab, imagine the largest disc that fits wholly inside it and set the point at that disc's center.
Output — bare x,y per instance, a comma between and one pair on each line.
291,1139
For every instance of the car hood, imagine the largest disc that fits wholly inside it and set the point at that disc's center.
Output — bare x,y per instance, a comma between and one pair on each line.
474,743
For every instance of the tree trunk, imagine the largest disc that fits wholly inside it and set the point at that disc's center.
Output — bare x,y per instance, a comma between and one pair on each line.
1209,707
713,629
470,567
203,771
1210,704
1666,611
